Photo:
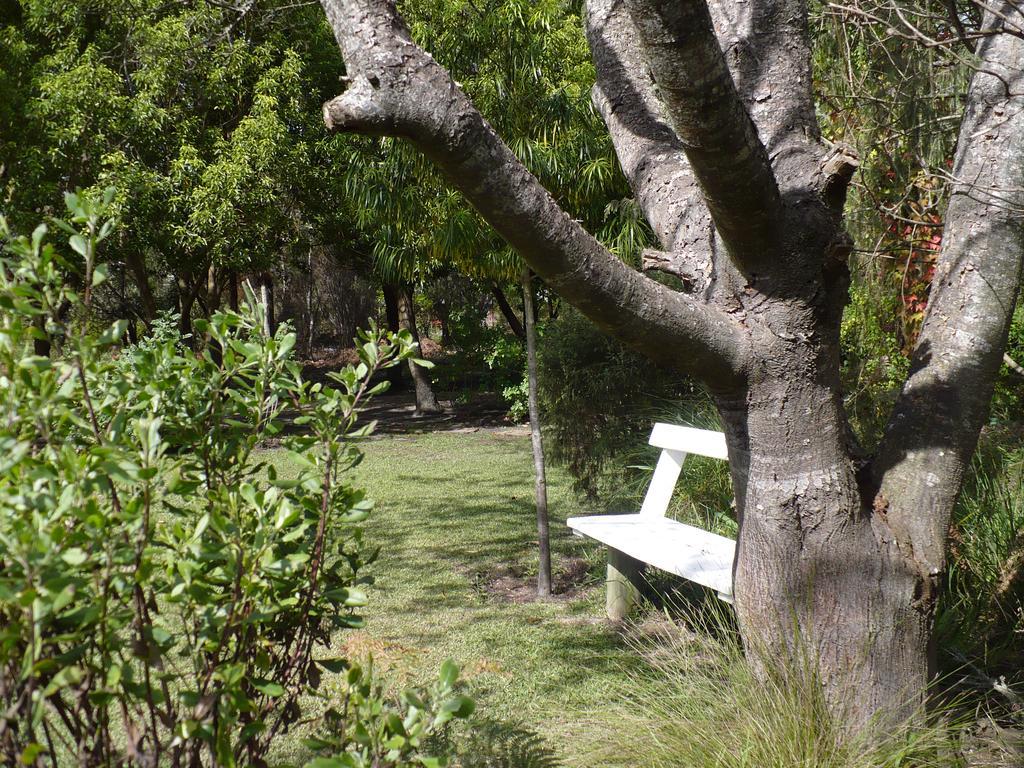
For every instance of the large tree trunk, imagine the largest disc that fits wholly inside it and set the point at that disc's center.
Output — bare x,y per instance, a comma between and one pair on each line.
426,401
816,590
537,442
840,554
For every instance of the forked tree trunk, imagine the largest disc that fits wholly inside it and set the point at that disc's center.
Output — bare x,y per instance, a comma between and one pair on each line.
815,589
426,401
841,554
537,442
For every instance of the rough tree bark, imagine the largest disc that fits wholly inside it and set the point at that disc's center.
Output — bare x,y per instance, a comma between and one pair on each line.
710,108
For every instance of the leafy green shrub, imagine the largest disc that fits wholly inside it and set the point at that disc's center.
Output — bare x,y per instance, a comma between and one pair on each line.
362,733
599,399
163,592
873,365
506,359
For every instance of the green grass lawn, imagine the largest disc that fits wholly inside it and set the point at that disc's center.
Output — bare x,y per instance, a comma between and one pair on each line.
456,524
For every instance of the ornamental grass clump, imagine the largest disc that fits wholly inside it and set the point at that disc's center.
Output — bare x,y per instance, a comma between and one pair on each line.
698,702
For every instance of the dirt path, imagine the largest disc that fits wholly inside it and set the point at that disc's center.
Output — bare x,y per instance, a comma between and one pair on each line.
396,414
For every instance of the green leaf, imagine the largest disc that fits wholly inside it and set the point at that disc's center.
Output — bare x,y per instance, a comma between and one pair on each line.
114,333
449,673
79,244
31,753
63,598
35,363
74,556
268,688
248,493
99,274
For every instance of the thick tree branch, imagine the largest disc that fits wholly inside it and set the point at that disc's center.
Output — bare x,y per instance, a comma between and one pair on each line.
651,156
396,88
939,414
767,47
834,175
508,313
711,121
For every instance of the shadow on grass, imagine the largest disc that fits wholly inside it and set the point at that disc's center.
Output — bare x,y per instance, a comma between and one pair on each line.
504,744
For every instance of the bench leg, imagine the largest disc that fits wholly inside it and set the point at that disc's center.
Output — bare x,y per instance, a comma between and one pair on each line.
623,582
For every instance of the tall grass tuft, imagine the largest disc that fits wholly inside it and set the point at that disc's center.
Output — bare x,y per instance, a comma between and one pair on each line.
698,704
983,612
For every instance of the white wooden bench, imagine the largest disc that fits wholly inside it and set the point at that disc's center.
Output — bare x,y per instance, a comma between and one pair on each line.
650,537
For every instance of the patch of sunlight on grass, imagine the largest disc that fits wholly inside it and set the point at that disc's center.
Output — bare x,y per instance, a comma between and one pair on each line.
456,524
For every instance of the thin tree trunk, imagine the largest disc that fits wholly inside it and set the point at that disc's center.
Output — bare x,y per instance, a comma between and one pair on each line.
1013,365
186,298
391,291
426,401
233,290
444,313
310,323
213,290
271,305
540,481
267,299
507,312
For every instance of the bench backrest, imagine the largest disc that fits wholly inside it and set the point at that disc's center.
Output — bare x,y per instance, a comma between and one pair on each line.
676,442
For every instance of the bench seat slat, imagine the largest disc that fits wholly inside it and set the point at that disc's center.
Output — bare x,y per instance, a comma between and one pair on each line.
681,549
